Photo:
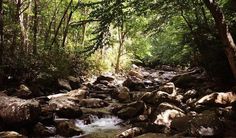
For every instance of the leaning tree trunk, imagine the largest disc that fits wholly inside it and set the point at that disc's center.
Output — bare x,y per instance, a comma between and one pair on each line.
15,111
223,29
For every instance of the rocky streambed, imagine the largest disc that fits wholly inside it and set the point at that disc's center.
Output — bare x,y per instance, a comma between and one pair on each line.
143,103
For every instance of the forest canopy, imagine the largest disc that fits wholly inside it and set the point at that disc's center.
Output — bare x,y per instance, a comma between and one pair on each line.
62,37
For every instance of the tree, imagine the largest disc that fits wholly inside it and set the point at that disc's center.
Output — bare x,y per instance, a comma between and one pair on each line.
227,39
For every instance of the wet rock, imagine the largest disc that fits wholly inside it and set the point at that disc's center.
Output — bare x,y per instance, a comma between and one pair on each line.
74,82
134,83
206,124
93,103
18,111
131,110
64,84
67,129
11,134
23,92
43,131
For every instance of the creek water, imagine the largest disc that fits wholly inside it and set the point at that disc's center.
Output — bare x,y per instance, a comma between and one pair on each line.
106,127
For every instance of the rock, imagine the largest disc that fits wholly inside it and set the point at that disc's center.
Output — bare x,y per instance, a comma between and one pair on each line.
68,129
180,124
100,112
134,83
105,77
100,87
190,94
169,88
15,111
159,97
121,94
78,94
11,134
206,124
23,92
100,96
69,112
64,84
166,113
216,99
165,106
135,74
43,131
152,135
93,103
74,82
229,128
66,104
132,132
165,118
131,110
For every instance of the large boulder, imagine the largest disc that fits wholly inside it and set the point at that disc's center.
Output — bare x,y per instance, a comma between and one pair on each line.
18,111
66,104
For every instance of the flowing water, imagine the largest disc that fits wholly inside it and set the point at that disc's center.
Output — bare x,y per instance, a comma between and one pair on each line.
106,127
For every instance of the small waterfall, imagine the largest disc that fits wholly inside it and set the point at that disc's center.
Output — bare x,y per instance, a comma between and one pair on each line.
98,124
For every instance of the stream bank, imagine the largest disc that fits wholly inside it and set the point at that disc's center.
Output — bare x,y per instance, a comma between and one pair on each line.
146,102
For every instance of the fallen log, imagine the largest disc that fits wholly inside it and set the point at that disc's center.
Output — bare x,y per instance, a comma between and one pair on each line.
18,111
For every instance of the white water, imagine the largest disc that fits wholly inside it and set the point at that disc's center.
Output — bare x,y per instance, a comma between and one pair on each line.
98,124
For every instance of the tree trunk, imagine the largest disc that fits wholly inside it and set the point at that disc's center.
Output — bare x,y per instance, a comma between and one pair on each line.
18,111
121,44
227,39
35,27
1,33
60,23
